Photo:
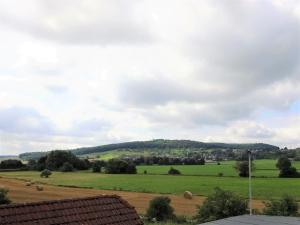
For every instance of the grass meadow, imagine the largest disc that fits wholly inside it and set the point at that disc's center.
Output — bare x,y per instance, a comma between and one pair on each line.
264,168
203,181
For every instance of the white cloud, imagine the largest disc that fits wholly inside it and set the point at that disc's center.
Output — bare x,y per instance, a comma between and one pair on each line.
78,22
82,73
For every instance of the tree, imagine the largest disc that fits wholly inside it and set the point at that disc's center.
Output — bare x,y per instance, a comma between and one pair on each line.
243,168
118,166
286,168
283,163
45,173
221,204
32,164
160,209
56,159
11,164
3,196
201,161
67,167
41,163
286,206
173,171
97,166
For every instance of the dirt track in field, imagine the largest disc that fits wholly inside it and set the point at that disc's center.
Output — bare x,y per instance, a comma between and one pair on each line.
19,192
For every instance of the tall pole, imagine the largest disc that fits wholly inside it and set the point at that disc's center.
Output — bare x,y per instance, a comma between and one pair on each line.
250,185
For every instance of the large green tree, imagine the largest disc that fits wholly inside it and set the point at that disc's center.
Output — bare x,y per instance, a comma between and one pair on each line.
242,167
286,168
119,166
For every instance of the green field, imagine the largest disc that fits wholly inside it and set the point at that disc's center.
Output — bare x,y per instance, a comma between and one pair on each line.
201,185
264,168
198,179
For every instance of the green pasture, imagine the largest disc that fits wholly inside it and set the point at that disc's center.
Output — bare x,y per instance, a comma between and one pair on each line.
263,188
263,168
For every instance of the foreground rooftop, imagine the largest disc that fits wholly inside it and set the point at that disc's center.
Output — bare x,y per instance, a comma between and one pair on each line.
99,210
256,220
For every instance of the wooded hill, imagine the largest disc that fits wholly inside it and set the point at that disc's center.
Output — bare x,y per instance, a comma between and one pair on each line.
159,145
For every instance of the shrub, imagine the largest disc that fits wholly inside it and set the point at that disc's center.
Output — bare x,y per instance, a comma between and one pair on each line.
220,174
221,204
286,206
46,173
145,172
173,171
67,167
160,209
3,196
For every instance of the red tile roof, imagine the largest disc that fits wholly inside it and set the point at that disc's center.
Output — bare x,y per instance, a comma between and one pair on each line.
99,210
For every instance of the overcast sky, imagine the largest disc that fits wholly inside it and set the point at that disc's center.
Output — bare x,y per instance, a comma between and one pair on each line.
90,72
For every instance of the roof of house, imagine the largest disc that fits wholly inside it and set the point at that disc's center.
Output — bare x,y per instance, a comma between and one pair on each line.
256,220
99,210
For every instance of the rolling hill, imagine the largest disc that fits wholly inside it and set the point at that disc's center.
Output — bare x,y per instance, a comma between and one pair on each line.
158,146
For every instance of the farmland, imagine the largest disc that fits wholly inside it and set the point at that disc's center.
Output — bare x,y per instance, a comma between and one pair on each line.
202,183
264,168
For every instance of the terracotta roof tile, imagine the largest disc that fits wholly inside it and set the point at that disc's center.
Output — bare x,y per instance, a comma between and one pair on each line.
99,210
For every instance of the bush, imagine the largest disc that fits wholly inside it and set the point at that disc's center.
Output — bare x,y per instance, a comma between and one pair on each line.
3,196
220,174
46,173
160,209
173,171
286,206
67,167
221,204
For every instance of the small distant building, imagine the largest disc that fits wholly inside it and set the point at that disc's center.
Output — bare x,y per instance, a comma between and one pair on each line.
256,220
99,210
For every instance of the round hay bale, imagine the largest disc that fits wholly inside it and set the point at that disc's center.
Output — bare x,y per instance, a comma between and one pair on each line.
28,183
188,195
39,188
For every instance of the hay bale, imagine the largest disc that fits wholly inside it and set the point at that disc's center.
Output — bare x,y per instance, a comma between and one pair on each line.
39,188
28,183
188,195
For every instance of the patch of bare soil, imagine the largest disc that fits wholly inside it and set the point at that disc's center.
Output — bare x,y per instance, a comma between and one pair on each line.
19,193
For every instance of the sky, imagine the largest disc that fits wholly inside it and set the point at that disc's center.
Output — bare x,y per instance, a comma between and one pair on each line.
83,73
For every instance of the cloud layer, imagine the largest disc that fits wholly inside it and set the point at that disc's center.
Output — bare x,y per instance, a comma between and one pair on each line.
76,73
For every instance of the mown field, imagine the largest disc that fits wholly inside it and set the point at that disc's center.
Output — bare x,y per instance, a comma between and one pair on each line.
263,188
263,168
